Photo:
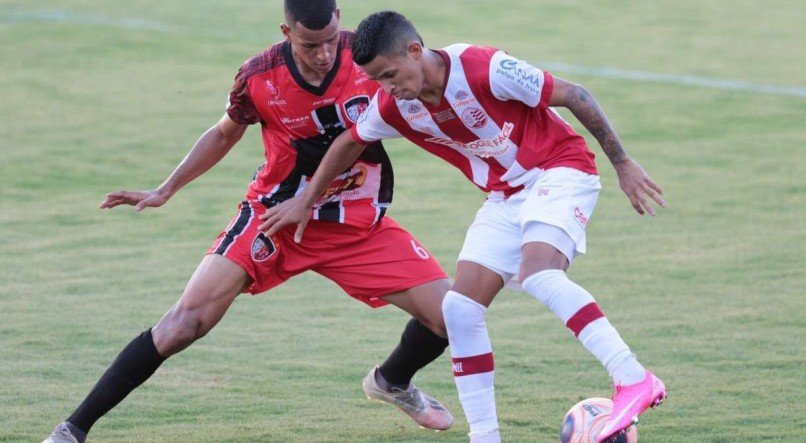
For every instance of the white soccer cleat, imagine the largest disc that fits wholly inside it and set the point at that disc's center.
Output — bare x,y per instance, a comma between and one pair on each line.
62,434
423,408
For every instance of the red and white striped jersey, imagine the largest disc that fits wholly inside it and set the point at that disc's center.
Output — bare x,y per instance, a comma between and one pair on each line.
298,123
493,122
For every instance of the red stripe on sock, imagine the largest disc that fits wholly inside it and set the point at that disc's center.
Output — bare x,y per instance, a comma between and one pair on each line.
584,317
476,364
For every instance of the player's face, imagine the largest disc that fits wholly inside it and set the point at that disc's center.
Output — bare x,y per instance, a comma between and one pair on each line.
315,49
400,76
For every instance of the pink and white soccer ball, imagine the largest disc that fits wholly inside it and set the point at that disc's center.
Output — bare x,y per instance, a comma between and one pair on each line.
585,420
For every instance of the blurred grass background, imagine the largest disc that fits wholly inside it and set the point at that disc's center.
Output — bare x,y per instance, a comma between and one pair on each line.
99,96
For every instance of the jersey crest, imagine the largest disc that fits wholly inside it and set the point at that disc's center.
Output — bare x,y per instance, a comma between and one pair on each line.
356,106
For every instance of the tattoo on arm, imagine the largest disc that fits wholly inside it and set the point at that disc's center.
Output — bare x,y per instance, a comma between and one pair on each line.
584,107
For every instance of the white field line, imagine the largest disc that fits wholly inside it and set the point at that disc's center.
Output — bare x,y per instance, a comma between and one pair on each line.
59,16
675,79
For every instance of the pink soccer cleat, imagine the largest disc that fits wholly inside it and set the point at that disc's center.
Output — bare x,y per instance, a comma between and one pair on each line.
631,401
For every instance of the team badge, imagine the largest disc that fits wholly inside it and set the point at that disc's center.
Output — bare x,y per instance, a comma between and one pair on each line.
262,248
461,94
414,108
474,118
356,106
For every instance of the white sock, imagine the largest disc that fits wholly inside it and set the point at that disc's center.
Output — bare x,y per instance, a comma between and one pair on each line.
580,313
472,355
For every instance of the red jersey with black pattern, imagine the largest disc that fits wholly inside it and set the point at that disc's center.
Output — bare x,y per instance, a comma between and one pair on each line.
298,123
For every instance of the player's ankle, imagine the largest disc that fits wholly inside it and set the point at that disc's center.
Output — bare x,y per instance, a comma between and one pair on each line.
385,385
628,372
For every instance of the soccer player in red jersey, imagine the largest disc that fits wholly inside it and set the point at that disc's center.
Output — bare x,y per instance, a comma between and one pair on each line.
304,92
490,115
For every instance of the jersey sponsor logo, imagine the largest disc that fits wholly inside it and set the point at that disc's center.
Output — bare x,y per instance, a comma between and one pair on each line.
355,179
484,147
474,118
463,98
580,216
356,106
415,112
274,94
295,122
323,102
526,78
443,116
541,192
262,248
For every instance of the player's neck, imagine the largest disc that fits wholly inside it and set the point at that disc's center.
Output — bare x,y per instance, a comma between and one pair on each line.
433,78
311,76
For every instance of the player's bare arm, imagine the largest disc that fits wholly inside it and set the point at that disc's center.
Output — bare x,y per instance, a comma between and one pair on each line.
632,178
208,150
342,153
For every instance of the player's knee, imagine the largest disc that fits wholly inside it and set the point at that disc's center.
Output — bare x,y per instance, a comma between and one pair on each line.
539,257
532,267
436,324
178,330
461,313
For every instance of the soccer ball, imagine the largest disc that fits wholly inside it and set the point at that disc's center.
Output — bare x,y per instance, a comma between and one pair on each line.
585,420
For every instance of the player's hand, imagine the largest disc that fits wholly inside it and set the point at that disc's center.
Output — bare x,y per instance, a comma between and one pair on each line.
638,186
139,199
289,212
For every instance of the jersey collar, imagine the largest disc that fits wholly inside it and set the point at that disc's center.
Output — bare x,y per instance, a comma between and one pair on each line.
292,67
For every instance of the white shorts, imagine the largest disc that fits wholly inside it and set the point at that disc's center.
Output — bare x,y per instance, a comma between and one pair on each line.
554,209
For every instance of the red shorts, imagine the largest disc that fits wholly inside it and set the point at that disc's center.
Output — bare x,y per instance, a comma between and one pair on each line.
368,263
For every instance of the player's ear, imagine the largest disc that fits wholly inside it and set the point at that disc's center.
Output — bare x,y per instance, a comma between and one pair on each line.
415,50
338,14
286,30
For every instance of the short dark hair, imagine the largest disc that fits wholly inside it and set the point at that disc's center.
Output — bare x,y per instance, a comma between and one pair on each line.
382,33
313,14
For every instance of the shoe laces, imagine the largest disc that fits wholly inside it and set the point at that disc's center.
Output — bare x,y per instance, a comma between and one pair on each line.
410,396
63,431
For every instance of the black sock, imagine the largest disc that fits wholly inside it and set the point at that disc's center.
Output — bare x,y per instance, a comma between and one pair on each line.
418,347
135,363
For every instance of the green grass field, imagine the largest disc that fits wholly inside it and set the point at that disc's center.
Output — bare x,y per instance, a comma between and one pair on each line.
99,96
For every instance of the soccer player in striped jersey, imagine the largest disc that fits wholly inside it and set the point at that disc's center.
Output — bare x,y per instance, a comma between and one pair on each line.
490,115
304,92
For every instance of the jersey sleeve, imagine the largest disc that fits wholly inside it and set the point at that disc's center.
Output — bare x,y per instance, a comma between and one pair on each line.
240,107
514,79
371,126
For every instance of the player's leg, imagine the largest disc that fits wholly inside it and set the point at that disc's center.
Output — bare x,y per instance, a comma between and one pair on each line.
465,310
553,234
543,276
210,291
386,265
487,261
423,340
424,337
